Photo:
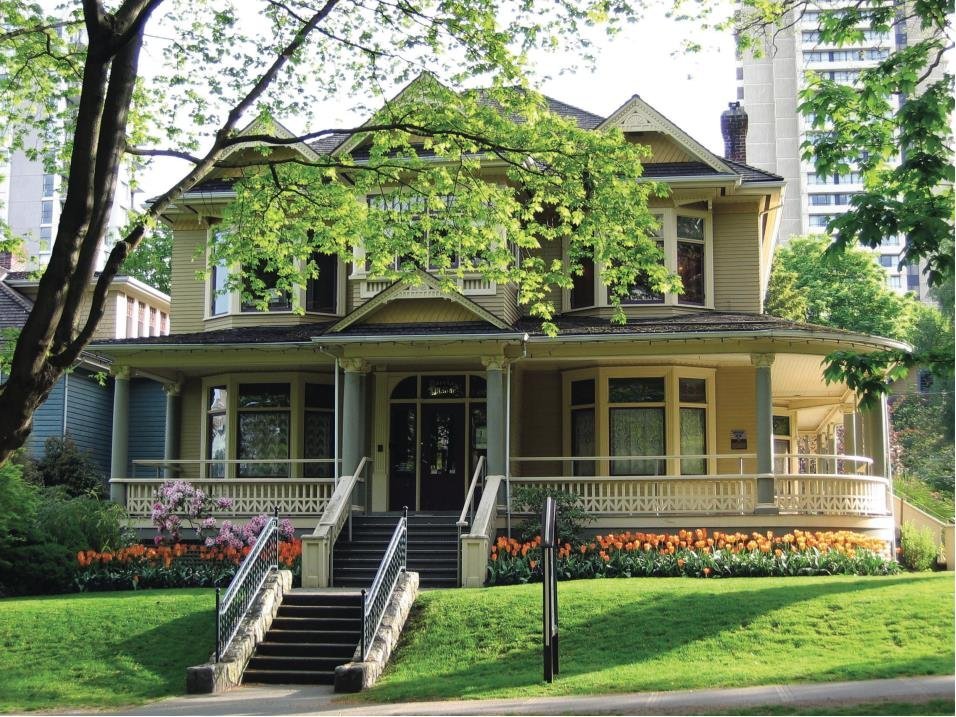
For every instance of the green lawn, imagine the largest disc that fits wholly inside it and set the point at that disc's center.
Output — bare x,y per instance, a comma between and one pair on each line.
101,649
623,635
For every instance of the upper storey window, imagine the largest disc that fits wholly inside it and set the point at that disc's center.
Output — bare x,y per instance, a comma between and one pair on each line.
685,237
320,294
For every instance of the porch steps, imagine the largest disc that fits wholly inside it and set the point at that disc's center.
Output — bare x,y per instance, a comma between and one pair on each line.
310,636
432,549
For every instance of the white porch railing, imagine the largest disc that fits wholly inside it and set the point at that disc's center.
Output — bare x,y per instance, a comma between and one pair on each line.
833,495
250,496
805,484
221,468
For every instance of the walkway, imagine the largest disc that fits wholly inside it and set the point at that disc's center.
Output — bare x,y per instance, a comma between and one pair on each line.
322,701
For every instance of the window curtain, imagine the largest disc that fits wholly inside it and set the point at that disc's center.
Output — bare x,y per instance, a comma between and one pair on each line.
637,432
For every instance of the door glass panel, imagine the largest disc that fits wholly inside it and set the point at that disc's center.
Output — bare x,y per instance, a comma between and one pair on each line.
443,456
637,432
582,440
443,386
693,431
263,435
636,390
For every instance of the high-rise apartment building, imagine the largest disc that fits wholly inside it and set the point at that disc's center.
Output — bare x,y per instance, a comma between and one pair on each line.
768,88
30,203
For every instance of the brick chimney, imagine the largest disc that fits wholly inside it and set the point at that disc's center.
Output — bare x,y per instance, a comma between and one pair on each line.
733,125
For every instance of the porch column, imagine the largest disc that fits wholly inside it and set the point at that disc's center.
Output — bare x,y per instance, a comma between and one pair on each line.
494,374
878,438
764,391
119,458
171,444
353,413
849,430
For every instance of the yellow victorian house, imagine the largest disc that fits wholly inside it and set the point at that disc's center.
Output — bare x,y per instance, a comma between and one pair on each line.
700,412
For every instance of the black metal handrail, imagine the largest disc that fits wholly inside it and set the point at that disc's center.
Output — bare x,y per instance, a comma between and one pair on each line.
376,598
232,607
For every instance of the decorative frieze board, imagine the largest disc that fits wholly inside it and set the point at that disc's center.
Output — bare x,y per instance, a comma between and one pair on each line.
220,676
356,676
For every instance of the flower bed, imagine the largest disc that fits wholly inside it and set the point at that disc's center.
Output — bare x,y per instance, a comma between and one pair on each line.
695,553
171,566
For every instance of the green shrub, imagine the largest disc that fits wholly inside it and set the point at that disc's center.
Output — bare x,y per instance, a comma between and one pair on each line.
918,550
65,464
38,569
572,518
18,506
83,523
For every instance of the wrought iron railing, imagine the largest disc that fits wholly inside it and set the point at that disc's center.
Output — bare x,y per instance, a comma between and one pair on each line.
232,606
375,600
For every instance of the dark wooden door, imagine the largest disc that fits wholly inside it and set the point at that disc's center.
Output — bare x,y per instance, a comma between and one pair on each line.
442,456
402,456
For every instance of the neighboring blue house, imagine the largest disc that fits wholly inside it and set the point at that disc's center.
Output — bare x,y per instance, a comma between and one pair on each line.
81,403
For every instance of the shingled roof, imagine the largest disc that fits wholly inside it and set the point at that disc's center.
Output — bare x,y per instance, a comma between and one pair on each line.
14,307
568,327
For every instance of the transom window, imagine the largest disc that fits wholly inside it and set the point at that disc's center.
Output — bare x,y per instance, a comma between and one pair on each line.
685,239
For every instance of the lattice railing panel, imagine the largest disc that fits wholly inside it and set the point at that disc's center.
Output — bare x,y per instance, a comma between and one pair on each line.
807,495
294,497
654,496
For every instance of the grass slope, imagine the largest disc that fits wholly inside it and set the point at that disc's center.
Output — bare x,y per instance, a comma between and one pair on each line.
101,649
623,635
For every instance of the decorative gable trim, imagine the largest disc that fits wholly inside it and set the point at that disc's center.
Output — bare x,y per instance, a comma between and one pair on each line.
428,288
275,128
636,115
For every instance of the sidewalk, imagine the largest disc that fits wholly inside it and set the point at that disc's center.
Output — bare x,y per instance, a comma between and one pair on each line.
302,700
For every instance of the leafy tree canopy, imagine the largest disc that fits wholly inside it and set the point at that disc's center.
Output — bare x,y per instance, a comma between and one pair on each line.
74,73
846,290
152,260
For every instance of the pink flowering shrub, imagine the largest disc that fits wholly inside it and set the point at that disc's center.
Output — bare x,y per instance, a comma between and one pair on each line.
178,503
235,536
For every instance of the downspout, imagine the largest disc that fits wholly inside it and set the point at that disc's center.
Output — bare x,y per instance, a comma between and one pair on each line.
66,400
335,415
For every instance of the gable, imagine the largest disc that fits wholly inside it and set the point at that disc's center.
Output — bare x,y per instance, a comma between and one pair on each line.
417,300
662,147
421,311
636,115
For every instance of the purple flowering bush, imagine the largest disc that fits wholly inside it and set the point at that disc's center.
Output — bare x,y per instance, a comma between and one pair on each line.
178,503
236,536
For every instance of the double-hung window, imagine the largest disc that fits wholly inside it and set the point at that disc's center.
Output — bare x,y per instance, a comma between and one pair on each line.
216,430
261,281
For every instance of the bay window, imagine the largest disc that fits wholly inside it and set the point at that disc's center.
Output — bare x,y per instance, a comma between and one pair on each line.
642,419
685,238
254,424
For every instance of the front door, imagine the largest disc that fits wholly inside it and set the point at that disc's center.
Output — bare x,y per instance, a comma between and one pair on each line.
442,456
403,455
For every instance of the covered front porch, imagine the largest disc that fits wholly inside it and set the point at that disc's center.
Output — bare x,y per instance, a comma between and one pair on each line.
726,432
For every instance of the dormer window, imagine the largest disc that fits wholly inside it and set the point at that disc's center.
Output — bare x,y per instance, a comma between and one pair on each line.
685,237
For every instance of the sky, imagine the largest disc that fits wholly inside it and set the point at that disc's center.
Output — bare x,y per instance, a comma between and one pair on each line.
645,59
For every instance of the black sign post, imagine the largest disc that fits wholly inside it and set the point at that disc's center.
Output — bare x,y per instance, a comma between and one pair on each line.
549,529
